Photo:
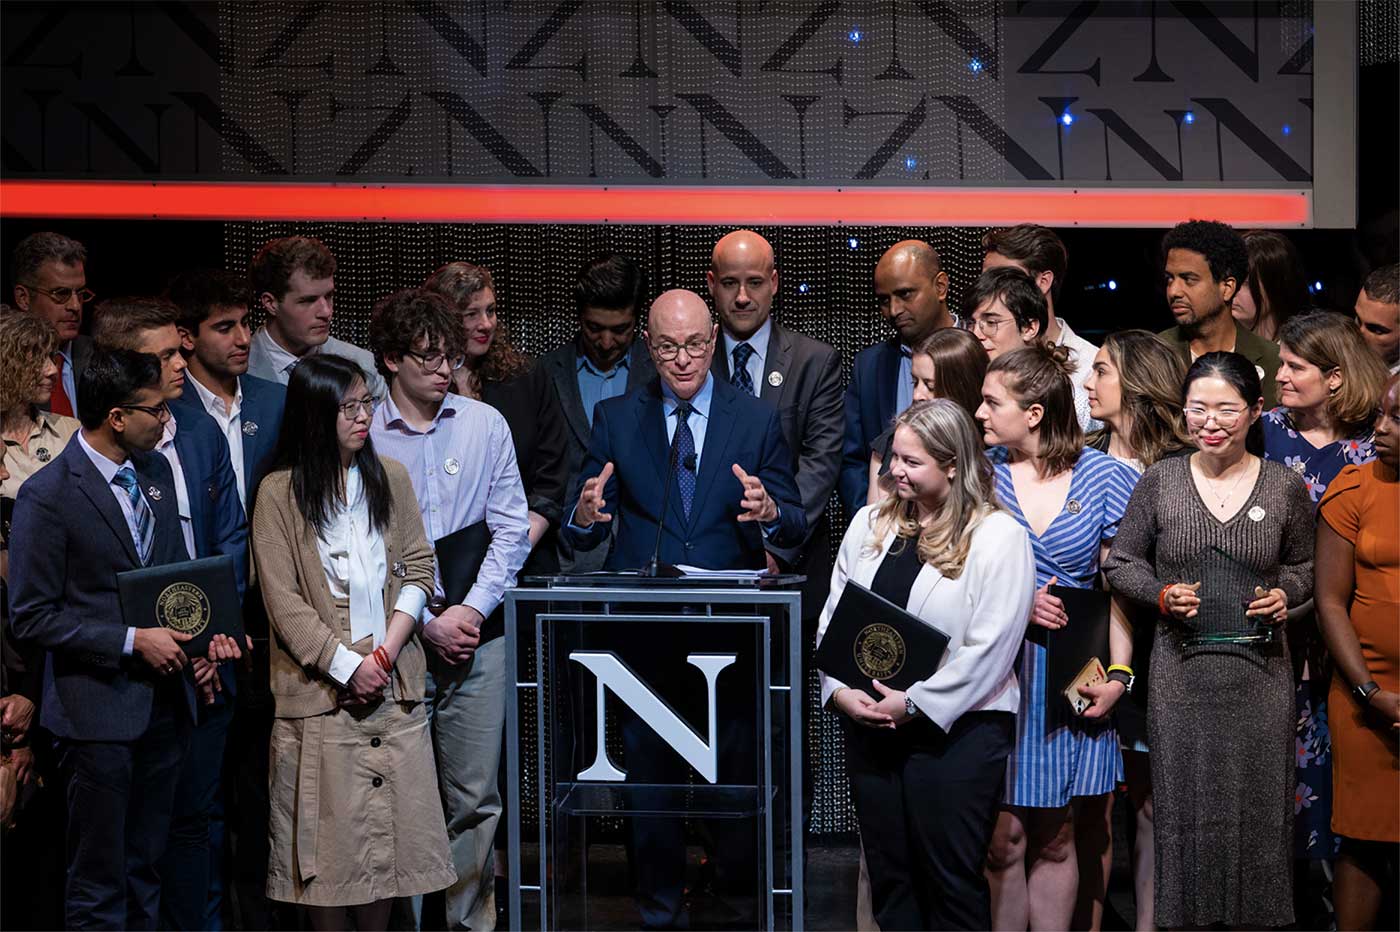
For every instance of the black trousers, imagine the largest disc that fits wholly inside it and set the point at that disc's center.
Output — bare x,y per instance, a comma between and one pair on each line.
120,798
926,801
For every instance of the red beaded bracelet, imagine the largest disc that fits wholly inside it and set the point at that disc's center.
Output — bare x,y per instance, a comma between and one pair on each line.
381,657
1162,599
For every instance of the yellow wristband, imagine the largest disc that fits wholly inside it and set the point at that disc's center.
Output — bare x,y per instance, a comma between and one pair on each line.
1119,666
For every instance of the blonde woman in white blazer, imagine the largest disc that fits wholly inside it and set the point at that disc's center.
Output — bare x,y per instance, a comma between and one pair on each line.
926,766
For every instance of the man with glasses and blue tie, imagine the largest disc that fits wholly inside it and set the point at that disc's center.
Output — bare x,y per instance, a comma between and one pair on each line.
732,489
115,696
51,283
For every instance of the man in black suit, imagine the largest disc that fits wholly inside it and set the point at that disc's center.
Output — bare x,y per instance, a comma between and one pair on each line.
116,697
602,361
51,282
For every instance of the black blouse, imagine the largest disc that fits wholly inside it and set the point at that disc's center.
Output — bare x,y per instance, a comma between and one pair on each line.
900,566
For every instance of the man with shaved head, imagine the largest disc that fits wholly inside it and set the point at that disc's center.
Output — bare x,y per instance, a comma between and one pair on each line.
911,289
731,489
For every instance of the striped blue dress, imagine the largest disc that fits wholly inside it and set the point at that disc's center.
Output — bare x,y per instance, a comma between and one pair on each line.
1057,755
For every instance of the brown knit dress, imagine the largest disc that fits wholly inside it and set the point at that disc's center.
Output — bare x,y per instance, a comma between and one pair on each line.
1220,720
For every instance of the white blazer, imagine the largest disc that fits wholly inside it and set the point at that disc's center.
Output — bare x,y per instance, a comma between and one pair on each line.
984,613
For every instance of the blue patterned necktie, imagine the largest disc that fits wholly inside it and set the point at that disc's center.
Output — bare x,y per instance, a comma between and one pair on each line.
739,376
141,512
685,452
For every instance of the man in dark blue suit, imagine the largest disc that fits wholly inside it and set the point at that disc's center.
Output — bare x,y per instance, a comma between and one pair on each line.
733,487
213,523
215,337
733,483
114,696
911,289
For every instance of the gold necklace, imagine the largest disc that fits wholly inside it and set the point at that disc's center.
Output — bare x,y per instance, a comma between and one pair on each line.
1224,501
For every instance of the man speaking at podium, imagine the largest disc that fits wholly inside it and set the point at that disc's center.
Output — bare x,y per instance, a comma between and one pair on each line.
733,483
722,454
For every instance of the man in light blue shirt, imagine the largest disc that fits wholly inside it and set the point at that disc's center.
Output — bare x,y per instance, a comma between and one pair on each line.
459,455
294,282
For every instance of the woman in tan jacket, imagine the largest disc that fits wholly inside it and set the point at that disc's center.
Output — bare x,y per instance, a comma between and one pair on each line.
345,569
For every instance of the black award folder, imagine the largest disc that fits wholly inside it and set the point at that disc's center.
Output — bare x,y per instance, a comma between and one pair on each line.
459,558
1068,649
196,597
871,638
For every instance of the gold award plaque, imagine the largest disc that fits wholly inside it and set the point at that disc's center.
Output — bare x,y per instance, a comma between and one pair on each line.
879,651
183,607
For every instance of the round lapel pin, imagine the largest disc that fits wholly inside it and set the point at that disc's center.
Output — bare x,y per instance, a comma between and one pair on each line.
1073,506
42,454
154,493
250,428
399,570
775,379
1256,513
451,466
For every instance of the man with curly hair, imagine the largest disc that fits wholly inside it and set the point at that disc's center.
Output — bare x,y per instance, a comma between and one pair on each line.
458,453
1205,264
294,283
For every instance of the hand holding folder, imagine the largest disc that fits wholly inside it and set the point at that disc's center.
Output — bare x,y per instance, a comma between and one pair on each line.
870,638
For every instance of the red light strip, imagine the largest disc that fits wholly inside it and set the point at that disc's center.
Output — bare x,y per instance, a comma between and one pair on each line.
794,206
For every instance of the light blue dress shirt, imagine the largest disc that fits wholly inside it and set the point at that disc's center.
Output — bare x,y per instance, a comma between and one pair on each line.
904,388
463,471
70,384
757,362
594,385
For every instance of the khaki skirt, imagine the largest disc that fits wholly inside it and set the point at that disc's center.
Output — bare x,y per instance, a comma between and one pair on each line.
355,810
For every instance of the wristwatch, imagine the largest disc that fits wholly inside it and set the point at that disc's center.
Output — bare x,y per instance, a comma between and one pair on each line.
1365,691
910,709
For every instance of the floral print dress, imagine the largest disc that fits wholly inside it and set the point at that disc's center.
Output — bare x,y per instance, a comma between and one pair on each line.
1312,801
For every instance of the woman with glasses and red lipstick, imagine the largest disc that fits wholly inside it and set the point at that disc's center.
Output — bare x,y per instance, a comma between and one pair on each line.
1220,717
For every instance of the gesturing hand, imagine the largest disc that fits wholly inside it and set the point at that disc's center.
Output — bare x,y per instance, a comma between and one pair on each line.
590,499
758,505
1047,610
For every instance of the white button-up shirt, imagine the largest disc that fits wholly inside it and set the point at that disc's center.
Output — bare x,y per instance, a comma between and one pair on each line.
230,421
166,448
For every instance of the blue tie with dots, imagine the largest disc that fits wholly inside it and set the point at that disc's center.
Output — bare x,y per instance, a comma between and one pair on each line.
739,377
685,453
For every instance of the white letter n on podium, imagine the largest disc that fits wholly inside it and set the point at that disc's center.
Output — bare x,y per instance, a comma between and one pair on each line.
613,674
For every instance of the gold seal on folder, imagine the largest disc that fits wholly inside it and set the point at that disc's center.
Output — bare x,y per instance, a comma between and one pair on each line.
879,651
183,607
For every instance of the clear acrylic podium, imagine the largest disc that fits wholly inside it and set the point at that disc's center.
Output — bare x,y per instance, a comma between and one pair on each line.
654,726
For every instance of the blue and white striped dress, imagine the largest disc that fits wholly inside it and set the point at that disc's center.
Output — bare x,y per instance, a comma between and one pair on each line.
1059,756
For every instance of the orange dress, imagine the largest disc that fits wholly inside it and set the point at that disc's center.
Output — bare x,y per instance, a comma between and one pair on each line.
1363,506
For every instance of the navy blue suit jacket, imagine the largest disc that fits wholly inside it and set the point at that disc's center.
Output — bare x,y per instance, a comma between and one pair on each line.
70,539
870,400
261,414
216,514
630,432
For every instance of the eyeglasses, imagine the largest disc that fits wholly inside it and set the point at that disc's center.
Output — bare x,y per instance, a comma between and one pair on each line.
693,348
160,412
987,326
351,409
432,361
64,295
1225,420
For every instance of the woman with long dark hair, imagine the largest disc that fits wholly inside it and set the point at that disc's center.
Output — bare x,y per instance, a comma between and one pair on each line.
338,542
1220,717
1276,288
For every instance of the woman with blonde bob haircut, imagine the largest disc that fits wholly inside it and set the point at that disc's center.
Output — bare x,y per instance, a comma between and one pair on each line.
942,548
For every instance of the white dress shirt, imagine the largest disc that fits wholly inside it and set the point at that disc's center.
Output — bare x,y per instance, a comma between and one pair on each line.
268,359
984,613
352,555
166,448
230,421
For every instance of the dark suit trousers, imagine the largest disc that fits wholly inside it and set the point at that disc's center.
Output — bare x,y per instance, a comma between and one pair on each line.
120,796
193,859
926,802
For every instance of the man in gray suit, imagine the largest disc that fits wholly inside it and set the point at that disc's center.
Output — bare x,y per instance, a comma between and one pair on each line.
798,375
294,282
51,282
602,361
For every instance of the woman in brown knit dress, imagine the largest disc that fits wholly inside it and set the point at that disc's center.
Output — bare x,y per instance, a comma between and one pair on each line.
1220,718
